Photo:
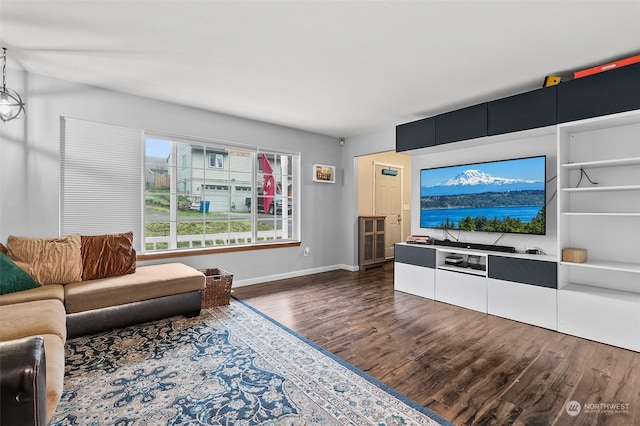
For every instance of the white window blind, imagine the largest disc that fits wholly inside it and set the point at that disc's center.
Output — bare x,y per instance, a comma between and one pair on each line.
100,179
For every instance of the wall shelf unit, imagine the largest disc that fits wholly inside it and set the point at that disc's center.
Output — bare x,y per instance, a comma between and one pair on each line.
600,298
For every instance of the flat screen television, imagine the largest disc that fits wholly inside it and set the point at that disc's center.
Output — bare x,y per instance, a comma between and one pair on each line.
506,196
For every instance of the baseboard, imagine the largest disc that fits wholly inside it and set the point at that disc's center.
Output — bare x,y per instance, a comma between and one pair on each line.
293,274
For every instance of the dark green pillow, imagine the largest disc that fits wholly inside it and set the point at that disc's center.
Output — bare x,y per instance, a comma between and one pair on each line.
13,278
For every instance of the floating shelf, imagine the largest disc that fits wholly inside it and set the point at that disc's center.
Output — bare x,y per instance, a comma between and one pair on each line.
470,271
634,161
603,188
625,296
618,214
606,265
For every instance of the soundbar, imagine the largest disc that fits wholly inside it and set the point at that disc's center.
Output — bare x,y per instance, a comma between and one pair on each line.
474,246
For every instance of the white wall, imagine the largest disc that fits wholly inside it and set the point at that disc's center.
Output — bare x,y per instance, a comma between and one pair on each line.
30,169
521,144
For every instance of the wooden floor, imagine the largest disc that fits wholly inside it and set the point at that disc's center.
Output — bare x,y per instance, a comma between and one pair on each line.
468,367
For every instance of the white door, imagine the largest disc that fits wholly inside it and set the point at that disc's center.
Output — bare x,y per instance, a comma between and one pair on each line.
388,203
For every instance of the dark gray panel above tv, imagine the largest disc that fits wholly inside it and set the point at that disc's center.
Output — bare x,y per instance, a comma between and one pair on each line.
608,92
525,111
415,135
462,124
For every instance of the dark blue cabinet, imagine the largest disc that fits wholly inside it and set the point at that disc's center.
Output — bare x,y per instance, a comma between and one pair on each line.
525,111
416,134
605,93
462,124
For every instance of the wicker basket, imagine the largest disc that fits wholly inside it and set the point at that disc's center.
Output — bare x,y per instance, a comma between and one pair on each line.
218,289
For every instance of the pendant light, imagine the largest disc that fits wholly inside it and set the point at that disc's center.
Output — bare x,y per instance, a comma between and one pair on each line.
11,105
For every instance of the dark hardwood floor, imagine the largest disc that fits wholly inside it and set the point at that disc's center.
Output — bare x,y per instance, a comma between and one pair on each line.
468,367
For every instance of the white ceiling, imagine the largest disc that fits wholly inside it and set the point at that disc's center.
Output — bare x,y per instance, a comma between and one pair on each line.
339,68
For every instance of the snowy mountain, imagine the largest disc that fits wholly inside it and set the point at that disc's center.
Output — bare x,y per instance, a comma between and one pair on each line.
476,177
473,181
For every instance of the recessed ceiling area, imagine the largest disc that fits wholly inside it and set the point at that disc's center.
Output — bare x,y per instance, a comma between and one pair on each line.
338,68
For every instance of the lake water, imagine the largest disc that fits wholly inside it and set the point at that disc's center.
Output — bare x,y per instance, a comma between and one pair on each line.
435,218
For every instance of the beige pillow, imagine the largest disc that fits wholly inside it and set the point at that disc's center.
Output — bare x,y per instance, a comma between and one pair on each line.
48,261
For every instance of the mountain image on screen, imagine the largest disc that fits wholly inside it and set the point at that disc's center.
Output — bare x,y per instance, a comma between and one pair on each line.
500,196
476,181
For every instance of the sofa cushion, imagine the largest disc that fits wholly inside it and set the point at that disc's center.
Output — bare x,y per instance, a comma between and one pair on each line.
32,319
108,255
13,278
148,282
50,291
48,261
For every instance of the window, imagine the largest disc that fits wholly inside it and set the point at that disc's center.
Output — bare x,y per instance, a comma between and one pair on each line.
216,161
207,198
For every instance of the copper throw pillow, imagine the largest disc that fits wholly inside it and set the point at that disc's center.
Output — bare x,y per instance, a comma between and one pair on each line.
107,255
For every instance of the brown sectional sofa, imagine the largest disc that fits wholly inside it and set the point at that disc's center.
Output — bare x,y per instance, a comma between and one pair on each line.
45,316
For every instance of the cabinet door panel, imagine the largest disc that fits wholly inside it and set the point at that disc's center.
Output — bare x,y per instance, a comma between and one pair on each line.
462,124
414,280
605,93
522,112
521,302
415,135
468,291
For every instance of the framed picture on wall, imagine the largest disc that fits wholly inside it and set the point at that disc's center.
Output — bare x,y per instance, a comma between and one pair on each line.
324,173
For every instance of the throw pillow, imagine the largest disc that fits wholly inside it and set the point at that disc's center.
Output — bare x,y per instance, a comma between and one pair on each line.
48,261
3,249
108,255
13,278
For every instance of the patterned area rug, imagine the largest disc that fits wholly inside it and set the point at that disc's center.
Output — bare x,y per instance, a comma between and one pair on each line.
229,366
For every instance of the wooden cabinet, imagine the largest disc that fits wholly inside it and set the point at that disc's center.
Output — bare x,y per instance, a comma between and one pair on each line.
371,247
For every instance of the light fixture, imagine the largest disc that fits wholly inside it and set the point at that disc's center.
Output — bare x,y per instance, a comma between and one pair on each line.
389,172
11,105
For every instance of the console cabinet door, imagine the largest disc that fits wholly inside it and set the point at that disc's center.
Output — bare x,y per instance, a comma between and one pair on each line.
414,279
522,302
468,291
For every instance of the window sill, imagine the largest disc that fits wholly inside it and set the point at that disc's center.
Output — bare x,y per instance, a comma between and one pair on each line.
214,250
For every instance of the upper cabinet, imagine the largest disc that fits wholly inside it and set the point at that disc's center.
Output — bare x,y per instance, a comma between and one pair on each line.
525,111
609,92
417,134
601,94
462,124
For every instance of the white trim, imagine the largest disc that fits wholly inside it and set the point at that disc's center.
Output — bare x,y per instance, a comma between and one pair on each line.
294,274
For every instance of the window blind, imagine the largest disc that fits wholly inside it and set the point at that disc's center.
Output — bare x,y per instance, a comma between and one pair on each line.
100,179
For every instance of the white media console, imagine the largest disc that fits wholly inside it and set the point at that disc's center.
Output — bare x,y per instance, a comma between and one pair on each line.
517,286
600,211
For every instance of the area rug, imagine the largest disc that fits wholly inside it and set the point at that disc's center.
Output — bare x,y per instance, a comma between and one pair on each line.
230,366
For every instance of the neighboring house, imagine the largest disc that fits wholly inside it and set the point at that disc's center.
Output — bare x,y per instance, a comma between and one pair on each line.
221,177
